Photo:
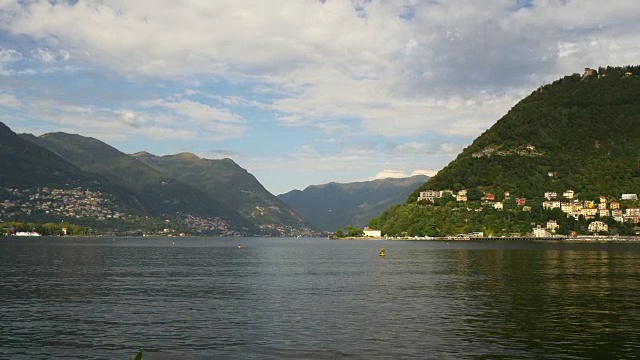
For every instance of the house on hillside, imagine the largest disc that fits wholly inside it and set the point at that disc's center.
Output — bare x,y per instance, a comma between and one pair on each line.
588,212
604,212
589,72
429,195
629,197
461,198
628,73
550,195
540,232
603,199
499,205
552,225
598,226
489,197
569,194
521,201
553,204
614,205
632,212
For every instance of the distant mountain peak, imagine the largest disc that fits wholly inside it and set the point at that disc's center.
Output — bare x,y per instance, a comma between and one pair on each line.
143,153
186,155
335,205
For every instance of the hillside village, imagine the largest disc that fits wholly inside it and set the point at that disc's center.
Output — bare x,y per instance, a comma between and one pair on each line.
622,210
68,203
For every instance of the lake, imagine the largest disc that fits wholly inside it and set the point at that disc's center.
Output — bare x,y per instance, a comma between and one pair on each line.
193,298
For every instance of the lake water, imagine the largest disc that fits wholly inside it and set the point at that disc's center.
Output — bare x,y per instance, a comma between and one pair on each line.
315,298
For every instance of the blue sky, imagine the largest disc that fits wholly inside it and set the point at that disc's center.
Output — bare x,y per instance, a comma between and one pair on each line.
296,92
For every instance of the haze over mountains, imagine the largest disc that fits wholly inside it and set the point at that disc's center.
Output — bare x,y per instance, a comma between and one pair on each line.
333,206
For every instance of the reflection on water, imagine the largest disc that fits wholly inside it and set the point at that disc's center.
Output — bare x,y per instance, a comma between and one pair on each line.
106,298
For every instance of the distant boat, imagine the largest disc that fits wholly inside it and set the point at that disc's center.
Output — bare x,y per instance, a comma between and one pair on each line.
27,233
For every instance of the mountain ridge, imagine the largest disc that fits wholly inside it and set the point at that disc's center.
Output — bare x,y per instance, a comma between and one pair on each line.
234,186
155,192
334,205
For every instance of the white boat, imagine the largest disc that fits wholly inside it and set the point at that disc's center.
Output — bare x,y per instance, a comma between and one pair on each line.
27,233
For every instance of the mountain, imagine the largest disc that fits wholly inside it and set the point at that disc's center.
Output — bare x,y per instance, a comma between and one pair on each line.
580,133
233,186
154,192
333,206
25,164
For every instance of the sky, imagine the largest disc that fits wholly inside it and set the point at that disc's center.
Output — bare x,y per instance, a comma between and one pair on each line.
297,92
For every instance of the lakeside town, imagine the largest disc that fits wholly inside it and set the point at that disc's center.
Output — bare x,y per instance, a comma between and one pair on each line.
622,210
78,204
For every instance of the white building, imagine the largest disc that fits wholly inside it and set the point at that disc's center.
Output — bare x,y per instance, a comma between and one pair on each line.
569,194
552,225
499,205
372,233
632,212
598,226
551,204
539,232
629,197
429,195
550,195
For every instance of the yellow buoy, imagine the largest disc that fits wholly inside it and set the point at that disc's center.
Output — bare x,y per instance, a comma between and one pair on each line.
239,246
381,252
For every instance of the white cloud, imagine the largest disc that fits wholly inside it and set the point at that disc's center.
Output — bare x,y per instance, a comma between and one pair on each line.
397,174
389,173
50,56
424,172
10,101
9,55
131,118
397,68
214,122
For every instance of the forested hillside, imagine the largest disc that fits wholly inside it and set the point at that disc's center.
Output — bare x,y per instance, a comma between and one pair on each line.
581,132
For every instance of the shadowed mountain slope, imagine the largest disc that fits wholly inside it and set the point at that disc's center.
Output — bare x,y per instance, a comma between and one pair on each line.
332,206
232,185
155,192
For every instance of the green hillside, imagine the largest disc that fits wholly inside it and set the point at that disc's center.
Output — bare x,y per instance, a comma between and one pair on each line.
25,164
580,133
233,186
154,192
333,206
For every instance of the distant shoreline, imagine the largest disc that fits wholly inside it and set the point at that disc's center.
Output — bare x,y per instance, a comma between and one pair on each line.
576,239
